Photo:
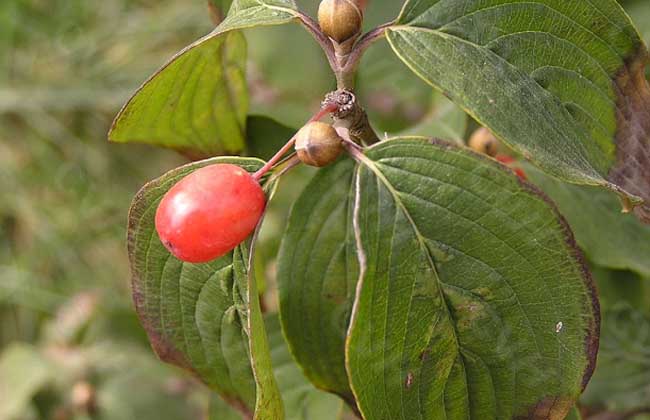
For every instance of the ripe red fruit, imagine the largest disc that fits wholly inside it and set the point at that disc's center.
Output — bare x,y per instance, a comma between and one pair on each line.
505,159
209,212
520,173
509,161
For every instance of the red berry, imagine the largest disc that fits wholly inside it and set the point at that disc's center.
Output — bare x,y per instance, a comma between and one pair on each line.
505,159
209,212
509,161
520,173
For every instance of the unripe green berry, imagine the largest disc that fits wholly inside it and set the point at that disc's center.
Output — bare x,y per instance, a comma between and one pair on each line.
340,19
318,144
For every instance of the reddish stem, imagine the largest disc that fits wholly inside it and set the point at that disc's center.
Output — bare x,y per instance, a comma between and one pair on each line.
278,156
264,169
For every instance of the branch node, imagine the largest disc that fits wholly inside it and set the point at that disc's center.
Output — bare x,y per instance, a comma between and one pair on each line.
349,114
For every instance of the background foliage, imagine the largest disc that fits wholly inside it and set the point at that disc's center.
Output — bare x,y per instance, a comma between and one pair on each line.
70,343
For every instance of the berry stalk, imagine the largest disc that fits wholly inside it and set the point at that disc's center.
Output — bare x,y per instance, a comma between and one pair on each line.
326,109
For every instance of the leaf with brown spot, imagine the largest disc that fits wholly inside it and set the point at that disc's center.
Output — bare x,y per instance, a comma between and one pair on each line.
473,299
632,169
561,82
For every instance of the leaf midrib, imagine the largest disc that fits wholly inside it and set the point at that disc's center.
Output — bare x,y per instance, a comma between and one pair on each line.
395,194
478,260
586,168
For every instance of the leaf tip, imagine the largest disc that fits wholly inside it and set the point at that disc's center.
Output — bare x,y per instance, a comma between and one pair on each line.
631,172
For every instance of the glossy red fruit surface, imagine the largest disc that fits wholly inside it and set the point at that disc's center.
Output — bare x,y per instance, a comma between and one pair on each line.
209,212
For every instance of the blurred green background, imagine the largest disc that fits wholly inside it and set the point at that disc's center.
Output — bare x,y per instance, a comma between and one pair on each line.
70,343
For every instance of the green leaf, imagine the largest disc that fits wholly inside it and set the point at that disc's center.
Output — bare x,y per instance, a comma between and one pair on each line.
621,382
608,237
197,315
268,404
265,136
197,102
23,371
317,273
301,400
250,13
473,301
561,82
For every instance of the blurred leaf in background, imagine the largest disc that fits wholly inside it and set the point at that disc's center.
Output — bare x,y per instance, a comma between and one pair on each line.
23,371
620,386
65,312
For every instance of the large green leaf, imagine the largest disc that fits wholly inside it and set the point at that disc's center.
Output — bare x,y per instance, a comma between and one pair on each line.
317,273
197,102
197,316
473,301
608,237
562,82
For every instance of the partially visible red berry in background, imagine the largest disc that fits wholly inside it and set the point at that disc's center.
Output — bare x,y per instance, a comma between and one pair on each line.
509,161
209,212
505,159
520,173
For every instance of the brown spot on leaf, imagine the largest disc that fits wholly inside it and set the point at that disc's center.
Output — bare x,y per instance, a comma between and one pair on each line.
592,305
550,408
632,169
